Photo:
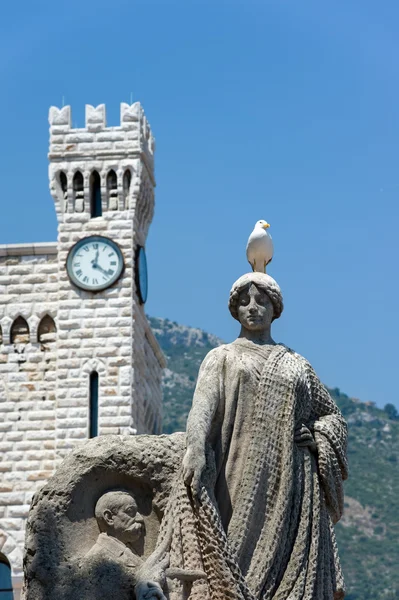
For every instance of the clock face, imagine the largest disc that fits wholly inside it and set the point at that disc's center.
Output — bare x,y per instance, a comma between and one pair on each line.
141,274
94,263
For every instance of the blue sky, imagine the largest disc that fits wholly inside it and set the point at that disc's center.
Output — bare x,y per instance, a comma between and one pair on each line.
281,110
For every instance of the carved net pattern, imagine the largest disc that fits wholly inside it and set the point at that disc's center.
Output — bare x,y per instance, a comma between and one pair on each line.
282,545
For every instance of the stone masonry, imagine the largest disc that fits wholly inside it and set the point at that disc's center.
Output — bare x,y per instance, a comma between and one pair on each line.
54,335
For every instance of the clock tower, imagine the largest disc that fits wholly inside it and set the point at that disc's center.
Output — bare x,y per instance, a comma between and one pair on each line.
109,364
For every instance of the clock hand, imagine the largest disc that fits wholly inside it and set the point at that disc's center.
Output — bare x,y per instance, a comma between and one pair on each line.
97,266
94,261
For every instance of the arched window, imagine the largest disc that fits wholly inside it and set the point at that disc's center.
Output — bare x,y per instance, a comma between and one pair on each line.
5,579
127,180
64,183
78,192
112,190
95,195
93,405
19,331
47,330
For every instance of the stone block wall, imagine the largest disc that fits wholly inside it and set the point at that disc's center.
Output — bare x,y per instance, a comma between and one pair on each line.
54,335
28,289
44,379
148,362
94,334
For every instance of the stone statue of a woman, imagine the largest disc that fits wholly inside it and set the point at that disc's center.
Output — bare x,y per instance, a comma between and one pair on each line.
278,446
241,508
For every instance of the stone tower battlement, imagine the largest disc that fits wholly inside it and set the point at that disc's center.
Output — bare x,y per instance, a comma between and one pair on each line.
96,140
118,161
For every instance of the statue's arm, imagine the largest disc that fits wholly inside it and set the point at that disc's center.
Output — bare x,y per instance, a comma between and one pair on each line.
330,434
205,404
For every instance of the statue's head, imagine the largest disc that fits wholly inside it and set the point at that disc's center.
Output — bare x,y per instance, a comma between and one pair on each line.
117,514
255,301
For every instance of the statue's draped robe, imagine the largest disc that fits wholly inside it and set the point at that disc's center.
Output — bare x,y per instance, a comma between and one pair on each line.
277,502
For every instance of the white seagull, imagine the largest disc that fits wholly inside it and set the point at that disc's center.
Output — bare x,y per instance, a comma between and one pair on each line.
260,247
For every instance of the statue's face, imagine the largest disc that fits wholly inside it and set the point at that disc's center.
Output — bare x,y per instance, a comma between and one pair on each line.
126,522
255,309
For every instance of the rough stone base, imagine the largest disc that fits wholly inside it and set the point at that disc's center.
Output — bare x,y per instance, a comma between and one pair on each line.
61,527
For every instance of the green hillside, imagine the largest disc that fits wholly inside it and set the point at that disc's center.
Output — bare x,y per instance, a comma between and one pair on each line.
368,534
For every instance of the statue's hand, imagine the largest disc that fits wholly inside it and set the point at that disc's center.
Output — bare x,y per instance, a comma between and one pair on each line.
304,438
149,590
193,467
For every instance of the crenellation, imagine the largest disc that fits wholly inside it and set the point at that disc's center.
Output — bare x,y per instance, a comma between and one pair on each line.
60,117
95,117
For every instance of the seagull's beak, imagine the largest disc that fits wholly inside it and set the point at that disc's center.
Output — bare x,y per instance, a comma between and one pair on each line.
266,226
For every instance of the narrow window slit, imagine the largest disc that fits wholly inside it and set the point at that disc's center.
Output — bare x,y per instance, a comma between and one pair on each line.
127,179
93,408
112,190
78,192
95,195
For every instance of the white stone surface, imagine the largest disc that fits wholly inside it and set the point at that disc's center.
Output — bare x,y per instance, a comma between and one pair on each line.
44,386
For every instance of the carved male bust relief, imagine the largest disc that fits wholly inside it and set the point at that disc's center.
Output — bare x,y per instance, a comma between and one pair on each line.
121,541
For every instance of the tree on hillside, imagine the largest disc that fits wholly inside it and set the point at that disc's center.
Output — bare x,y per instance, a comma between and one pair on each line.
391,411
